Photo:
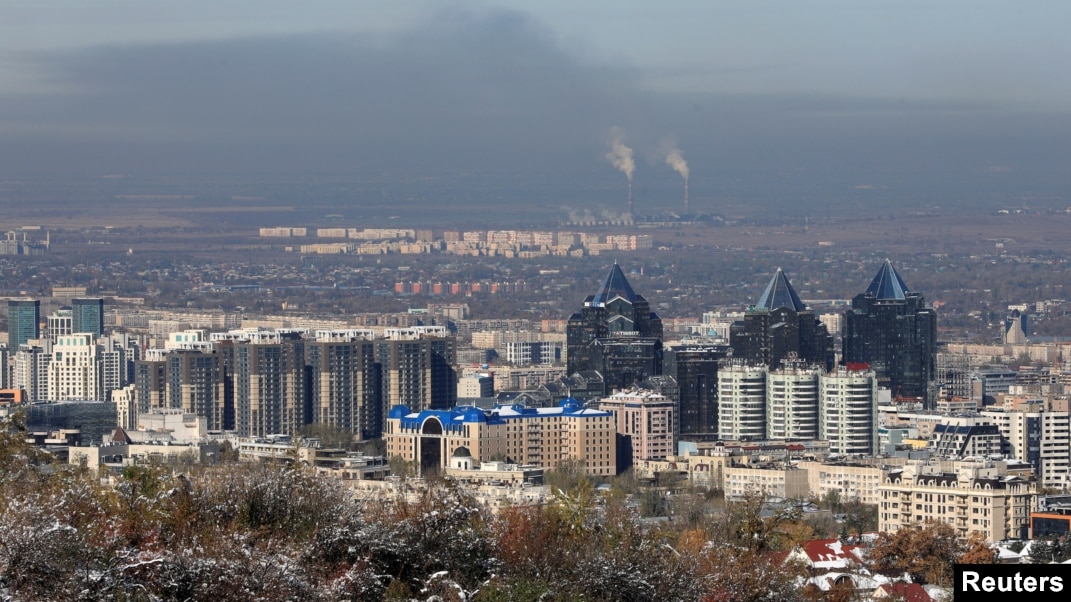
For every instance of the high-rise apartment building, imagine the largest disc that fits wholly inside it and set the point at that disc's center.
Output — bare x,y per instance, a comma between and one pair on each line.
23,321
74,372
88,315
345,382
150,382
418,367
792,403
269,383
1039,437
644,422
848,411
197,383
890,329
780,327
741,402
30,372
60,323
615,333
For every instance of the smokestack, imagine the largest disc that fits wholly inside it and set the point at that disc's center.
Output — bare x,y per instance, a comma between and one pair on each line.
620,156
675,159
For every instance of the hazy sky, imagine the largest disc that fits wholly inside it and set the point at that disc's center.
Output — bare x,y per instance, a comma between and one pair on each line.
523,86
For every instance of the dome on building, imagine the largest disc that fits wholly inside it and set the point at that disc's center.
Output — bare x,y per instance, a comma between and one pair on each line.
569,404
399,411
474,414
461,452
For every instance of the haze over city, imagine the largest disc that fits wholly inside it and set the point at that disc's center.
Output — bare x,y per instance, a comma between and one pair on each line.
835,104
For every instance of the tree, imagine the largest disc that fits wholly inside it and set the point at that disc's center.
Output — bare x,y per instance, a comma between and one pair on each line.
978,551
926,552
401,467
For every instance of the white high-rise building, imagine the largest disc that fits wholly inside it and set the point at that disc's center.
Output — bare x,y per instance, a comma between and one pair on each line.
741,402
60,323
74,373
31,368
1040,438
792,403
117,356
847,411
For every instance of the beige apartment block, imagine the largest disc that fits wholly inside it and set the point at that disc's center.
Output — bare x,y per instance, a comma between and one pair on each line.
983,499
852,482
788,483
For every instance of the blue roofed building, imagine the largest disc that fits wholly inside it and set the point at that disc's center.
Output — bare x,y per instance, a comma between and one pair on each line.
546,437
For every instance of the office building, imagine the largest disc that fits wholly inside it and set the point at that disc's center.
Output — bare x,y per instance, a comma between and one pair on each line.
890,329
616,334
1016,328
88,315
695,368
23,321
780,327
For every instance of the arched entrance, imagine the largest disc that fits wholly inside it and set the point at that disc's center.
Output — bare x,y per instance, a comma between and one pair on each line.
431,455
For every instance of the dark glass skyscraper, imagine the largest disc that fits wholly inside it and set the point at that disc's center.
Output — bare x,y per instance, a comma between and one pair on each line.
780,327
616,333
23,322
87,315
890,328
695,369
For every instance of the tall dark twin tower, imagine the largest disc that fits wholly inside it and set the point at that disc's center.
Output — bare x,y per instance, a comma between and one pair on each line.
889,329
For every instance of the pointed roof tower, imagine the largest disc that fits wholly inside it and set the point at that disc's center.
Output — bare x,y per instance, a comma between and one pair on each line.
887,285
615,285
779,293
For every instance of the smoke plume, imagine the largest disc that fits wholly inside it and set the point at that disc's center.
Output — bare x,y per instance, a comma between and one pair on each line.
675,159
620,155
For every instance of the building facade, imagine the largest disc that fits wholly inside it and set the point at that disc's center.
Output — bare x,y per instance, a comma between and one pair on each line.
645,425
780,327
695,368
616,334
979,499
87,315
892,330
23,321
